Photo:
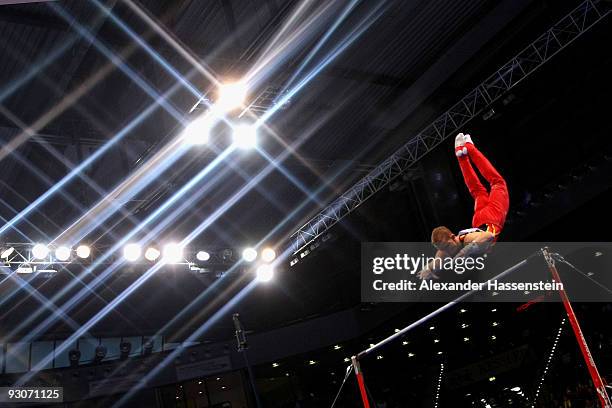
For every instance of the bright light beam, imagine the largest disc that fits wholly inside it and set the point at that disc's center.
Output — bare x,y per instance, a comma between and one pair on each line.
224,311
96,155
203,298
182,50
117,61
35,69
361,28
347,10
83,293
228,204
162,61
283,51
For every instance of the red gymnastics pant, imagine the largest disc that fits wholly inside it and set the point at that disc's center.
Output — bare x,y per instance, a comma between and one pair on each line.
490,207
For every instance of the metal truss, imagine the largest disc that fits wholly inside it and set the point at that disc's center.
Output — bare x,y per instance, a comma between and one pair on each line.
18,258
266,100
546,46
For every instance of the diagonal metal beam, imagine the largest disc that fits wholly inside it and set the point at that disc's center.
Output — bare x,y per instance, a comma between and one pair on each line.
7,2
525,63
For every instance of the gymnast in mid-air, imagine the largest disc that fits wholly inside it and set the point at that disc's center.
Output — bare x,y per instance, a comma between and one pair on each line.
490,209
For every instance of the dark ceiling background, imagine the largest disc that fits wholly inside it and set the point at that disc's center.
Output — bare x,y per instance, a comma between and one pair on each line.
551,141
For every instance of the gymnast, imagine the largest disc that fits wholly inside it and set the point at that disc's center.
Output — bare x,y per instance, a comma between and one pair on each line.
490,209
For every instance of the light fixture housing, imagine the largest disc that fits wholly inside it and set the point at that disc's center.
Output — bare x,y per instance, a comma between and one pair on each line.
7,252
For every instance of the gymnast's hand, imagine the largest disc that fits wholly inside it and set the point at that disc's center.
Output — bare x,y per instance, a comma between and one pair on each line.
427,273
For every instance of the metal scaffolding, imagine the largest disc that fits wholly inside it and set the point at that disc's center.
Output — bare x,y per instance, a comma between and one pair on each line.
546,46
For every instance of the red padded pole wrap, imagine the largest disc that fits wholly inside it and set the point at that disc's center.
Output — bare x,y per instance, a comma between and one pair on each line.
361,382
604,400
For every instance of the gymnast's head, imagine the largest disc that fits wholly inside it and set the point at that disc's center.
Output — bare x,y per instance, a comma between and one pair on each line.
444,240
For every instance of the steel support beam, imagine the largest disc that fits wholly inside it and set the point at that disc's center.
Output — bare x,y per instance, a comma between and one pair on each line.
525,63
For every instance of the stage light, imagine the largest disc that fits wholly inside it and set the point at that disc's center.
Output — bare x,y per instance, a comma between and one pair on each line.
124,349
173,253
227,255
40,251
231,96
62,253
24,268
198,131
100,353
202,256
245,136
151,254
265,273
74,356
268,255
83,251
7,252
131,252
148,347
249,254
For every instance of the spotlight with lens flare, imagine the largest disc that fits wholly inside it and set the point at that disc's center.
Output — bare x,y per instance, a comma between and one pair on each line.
62,253
152,254
173,253
198,131
249,254
40,251
83,251
265,273
244,136
231,96
131,252
268,255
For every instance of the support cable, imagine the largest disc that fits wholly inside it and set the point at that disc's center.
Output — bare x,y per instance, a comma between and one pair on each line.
349,369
